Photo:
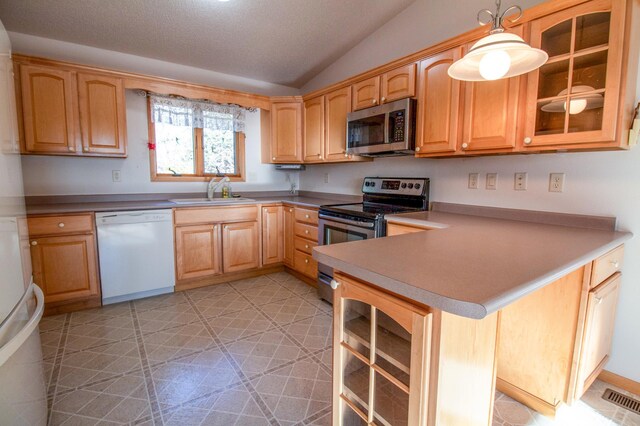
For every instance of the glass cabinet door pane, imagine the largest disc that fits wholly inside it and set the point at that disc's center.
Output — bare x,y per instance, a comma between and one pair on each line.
550,117
349,417
553,78
557,39
356,381
357,326
391,405
393,347
585,113
592,30
589,71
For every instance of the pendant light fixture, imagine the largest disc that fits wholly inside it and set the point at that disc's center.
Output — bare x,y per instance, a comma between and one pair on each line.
498,55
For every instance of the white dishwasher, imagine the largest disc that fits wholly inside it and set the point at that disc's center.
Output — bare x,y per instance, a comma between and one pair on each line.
135,249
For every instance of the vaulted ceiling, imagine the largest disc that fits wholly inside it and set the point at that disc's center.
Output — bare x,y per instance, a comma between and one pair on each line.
279,41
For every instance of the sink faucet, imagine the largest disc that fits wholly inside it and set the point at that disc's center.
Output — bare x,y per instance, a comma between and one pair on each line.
213,186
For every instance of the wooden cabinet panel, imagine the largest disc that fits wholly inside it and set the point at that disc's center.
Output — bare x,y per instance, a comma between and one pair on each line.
314,129
399,83
289,220
366,93
338,105
305,264
598,332
187,216
309,216
286,132
240,249
197,251
60,225
606,265
304,245
438,105
48,110
272,235
102,114
309,232
65,267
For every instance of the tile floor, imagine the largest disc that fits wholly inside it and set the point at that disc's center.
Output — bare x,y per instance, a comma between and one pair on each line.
249,352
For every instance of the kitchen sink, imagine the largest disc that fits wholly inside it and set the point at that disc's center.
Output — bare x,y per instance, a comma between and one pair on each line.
214,201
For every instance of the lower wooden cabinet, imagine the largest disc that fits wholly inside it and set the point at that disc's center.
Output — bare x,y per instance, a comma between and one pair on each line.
301,235
288,222
272,235
197,251
240,249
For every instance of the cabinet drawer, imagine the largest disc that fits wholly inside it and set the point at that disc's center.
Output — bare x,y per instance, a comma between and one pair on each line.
606,265
306,231
306,216
304,245
188,216
60,225
305,264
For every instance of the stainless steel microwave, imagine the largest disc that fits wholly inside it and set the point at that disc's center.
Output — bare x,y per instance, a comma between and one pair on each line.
383,130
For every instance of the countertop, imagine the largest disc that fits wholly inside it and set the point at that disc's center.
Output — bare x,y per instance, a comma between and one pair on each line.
470,266
71,205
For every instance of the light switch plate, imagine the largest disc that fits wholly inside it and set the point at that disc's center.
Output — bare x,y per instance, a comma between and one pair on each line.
473,180
556,182
492,181
520,181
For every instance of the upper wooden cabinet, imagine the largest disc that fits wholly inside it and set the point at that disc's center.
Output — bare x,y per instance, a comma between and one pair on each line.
102,114
70,113
337,106
574,99
286,132
314,130
438,114
49,110
393,85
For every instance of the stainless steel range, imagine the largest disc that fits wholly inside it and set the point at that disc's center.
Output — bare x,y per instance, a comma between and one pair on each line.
340,223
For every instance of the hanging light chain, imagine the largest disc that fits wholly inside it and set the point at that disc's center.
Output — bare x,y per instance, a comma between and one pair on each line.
496,19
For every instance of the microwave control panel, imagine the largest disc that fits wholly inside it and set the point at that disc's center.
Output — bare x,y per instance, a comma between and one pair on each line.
397,186
397,126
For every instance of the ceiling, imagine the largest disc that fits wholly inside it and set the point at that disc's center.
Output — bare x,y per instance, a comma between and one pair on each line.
278,41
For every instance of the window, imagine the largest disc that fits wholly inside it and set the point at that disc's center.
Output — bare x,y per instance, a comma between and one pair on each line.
195,140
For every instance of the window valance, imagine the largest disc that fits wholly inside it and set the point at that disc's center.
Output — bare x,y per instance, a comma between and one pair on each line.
196,113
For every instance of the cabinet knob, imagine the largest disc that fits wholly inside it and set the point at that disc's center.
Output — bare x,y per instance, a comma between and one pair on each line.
273,158
465,145
527,140
417,149
290,210
306,216
61,225
375,101
306,246
34,243
85,149
383,99
615,263
306,231
334,284
306,261
72,149
319,155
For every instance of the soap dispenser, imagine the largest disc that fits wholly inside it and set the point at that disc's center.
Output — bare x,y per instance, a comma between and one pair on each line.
226,190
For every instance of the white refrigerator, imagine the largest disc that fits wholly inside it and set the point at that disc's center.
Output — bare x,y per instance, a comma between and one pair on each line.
22,388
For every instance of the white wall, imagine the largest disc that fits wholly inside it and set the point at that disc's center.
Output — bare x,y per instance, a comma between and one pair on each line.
596,183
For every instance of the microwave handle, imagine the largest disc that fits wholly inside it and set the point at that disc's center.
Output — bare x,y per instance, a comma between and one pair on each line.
386,127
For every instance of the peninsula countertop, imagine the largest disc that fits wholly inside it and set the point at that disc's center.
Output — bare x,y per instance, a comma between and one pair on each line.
469,265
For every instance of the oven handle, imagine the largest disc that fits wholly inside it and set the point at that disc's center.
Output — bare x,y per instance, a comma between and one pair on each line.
347,221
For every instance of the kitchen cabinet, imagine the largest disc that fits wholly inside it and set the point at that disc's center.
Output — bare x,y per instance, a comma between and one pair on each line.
288,222
314,137
439,102
272,234
390,86
240,249
584,72
286,132
198,251
366,93
72,113
102,114
64,261
301,235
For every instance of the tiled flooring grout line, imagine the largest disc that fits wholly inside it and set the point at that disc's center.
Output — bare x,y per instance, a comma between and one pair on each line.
254,394
146,371
97,382
317,415
57,366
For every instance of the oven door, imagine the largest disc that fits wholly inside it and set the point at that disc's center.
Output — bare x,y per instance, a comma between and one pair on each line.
334,230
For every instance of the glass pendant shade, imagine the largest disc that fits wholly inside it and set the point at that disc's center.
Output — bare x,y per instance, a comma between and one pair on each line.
578,103
498,55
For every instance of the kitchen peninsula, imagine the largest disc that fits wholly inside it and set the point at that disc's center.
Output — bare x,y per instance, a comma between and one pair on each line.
432,320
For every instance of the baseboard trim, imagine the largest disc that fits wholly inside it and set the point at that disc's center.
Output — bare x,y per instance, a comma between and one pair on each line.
526,398
225,278
620,381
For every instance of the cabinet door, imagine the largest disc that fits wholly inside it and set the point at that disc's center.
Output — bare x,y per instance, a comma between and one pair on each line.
438,105
314,130
197,251
380,357
338,105
491,112
583,72
366,93
399,83
272,235
598,331
240,249
102,114
286,132
48,110
65,267
289,220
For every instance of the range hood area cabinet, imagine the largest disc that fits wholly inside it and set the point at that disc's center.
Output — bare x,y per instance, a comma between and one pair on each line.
67,112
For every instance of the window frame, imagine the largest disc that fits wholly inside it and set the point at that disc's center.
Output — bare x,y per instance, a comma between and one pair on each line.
199,175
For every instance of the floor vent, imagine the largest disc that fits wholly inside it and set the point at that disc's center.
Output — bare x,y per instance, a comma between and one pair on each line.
622,400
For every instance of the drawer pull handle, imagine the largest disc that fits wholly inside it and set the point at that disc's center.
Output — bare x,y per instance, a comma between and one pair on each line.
306,261
34,243
306,246
615,263
527,141
61,225
306,216
306,231
334,284
71,149
290,210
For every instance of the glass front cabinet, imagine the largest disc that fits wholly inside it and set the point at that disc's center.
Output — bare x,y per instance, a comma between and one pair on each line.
574,98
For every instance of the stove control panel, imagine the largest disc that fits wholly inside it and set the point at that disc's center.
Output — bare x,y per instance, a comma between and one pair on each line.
396,186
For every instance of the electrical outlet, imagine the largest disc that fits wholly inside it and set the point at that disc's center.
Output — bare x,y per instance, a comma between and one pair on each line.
326,178
556,182
115,175
492,181
520,181
473,180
